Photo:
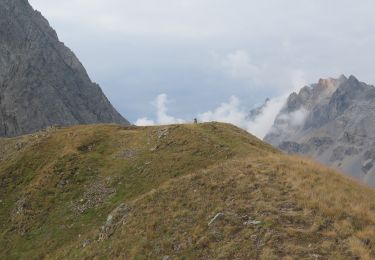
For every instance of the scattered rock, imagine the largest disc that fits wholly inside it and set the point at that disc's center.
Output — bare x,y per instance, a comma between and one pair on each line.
52,128
19,145
245,218
20,206
128,154
95,195
86,242
316,256
87,147
218,216
162,133
114,219
62,183
167,257
252,223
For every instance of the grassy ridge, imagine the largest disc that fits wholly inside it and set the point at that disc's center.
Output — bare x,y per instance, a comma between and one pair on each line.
113,192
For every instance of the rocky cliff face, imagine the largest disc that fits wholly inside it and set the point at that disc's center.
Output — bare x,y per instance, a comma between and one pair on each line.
332,121
42,83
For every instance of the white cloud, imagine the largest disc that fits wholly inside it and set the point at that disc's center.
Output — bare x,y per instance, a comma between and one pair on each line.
228,112
238,64
161,114
213,17
193,18
263,123
269,46
232,112
289,123
298,117
298,79
144,121
261,71
294,119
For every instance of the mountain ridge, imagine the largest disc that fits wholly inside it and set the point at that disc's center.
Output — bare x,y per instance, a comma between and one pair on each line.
42,83
198,191
336,127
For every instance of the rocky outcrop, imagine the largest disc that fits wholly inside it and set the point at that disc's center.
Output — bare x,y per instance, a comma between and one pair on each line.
333,122
42,83
115,219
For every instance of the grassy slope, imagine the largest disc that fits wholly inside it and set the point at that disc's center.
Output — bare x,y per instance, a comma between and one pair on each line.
162,186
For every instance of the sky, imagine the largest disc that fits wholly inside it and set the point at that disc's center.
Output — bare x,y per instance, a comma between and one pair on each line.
170,61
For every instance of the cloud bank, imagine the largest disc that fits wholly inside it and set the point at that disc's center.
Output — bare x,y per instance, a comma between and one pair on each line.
228,112
261,48
232,112
242,66
238,64
294,119
162,117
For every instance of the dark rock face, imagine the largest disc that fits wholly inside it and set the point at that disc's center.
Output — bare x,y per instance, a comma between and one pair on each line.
337,126
42,83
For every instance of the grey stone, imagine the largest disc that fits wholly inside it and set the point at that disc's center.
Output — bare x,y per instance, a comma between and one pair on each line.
86,243
95,196
162,133
128,154
252,222
218,216
114,219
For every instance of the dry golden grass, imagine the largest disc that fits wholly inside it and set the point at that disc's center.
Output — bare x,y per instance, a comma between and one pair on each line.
268,205
307,211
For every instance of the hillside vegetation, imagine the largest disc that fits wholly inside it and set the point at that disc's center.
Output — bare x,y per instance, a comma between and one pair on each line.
207,191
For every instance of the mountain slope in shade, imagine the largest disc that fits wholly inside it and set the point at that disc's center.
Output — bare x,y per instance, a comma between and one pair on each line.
206,191
42,83
333,122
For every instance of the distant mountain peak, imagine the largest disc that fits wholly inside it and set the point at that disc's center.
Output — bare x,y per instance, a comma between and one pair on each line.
337,127
352,78
331,83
